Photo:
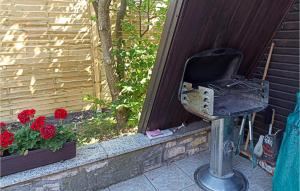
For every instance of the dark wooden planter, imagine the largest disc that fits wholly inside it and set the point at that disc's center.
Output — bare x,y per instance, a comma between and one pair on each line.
16,163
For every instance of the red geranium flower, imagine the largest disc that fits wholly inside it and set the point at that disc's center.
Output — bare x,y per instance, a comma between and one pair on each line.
38,123
6,139
2,124
25,115
48,131
30,113
60,113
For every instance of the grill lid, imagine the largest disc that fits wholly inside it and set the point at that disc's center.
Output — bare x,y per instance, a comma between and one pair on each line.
212,65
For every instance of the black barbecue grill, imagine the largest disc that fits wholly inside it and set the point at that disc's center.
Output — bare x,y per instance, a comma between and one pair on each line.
211,89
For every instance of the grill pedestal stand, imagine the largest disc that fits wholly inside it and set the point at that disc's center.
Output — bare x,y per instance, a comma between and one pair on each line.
211,89
219,174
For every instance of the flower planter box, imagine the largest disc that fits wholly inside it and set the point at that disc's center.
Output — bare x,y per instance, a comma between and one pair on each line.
36,158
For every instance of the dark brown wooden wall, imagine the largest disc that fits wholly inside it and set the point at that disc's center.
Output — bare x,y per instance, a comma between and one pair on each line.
247,25
283,73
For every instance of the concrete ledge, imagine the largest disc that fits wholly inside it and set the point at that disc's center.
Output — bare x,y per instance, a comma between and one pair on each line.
100,165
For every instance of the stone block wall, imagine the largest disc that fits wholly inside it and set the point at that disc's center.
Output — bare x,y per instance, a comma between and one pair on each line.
143,155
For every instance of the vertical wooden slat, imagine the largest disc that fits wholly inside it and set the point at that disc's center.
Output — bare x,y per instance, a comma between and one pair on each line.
95,67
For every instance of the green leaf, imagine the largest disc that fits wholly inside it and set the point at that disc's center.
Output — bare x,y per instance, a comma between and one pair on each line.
93,18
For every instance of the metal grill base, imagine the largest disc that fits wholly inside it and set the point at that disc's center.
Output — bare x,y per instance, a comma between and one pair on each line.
208,182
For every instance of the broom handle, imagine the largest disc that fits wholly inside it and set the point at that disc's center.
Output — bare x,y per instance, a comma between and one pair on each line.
263,78
248,134
268,61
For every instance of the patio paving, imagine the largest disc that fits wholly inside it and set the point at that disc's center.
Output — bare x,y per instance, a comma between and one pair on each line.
178,176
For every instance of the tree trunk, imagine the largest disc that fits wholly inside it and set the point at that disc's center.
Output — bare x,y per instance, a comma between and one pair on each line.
106,44
119,37
108,60
122,112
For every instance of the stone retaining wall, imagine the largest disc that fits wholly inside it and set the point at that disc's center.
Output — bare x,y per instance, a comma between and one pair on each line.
122,159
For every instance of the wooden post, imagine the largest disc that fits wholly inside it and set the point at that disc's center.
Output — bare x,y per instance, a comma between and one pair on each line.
95,55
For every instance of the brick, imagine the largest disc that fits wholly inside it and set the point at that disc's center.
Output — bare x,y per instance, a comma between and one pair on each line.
185,141
22,187
193,151
51,187
201,133
61,175
203,147
92,167
198,141
173,152
170,144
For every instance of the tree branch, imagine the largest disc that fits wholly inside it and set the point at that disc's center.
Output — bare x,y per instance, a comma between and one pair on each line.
119,37
95,6
140,18
148,19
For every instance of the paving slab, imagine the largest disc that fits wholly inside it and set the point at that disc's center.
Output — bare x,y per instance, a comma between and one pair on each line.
194,187
106,189
258,179
169,178
140,183
189,165
179,176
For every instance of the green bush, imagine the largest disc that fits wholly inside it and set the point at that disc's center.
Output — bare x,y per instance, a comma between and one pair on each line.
138,54
101,127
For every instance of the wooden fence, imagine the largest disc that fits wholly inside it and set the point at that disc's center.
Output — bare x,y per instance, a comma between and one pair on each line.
49,55
46,56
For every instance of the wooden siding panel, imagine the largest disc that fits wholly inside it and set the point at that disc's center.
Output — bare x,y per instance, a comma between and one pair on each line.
245,25
283,73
